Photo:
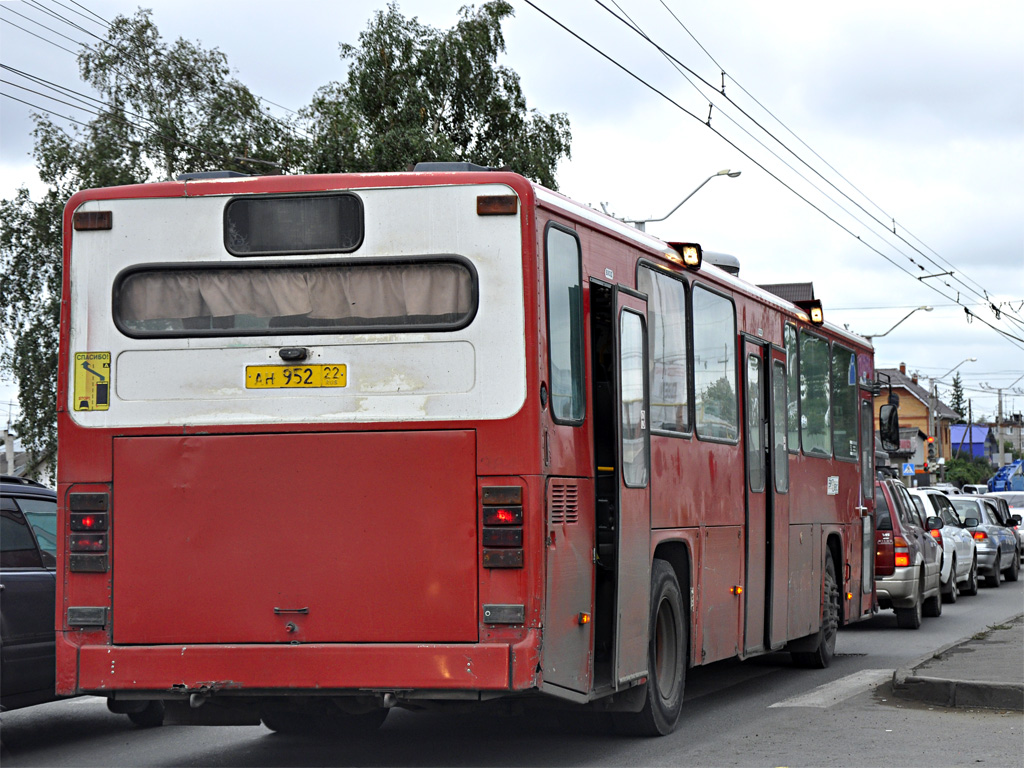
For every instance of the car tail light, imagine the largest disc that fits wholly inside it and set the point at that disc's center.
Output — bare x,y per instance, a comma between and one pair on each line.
937,535
885,556
980,535
502,514
901,552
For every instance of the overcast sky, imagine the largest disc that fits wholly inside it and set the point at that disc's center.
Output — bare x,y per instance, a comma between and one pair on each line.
919,105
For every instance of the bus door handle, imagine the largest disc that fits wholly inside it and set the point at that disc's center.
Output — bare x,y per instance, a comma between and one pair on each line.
279,611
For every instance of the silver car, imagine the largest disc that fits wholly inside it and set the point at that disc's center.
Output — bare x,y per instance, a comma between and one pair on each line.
1012,505
998,548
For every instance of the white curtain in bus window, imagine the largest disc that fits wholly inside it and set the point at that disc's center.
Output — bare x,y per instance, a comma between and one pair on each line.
378,296
631,377
844,403
714,365
815,432
667,355
565,326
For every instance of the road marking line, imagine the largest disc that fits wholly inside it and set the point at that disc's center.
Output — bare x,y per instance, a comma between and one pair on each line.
830,694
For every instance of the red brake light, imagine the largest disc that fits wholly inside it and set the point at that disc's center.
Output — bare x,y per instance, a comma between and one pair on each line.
979,535
902,552
503,515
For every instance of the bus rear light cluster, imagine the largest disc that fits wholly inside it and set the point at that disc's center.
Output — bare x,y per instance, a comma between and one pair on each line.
89,543
502,526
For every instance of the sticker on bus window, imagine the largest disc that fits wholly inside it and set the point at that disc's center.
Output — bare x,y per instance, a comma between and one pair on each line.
92,381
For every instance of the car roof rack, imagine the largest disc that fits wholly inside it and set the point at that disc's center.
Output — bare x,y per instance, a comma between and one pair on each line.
21,481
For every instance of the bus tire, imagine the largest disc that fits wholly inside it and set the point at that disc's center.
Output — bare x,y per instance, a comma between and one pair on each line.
825,648
150,716
666,659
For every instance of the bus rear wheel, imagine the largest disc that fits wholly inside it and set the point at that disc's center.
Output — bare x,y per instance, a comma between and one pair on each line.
666,659
825,647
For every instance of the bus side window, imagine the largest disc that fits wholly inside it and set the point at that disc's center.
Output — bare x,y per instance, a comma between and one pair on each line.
565,326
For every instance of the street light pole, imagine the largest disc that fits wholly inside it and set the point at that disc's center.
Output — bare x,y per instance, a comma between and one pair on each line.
640,223
880,335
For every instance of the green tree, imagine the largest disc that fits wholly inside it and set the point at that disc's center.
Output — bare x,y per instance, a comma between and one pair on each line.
967,470
956,398
415,93
169,109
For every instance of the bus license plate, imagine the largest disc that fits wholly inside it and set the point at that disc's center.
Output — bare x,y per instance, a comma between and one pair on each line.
294,376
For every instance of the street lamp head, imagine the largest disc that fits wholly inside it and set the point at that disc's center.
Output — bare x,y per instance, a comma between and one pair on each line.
730,174
927,309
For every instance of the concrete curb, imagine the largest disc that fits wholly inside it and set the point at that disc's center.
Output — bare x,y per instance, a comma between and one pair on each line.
948,692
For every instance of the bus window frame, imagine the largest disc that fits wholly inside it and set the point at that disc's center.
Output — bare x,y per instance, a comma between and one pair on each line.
655,268
828,342
548,226
204,333
736,351
793,447
295,195
855,459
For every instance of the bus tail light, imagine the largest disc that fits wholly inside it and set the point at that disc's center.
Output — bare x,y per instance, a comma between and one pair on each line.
89,543
901,552
502,515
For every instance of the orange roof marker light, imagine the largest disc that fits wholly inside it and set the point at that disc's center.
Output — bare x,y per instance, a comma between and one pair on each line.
689,255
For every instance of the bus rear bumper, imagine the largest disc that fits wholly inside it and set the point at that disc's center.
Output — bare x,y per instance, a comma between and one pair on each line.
311,667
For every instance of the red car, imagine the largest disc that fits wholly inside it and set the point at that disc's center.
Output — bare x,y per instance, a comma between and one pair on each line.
908,559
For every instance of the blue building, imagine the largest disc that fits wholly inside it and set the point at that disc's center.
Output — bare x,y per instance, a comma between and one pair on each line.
973,441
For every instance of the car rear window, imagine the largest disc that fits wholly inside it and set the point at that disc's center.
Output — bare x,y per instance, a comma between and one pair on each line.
883,516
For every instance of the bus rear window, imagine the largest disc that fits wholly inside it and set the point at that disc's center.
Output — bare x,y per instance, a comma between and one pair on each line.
436,295
266,226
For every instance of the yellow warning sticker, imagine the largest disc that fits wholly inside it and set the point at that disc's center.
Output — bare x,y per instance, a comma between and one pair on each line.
92,381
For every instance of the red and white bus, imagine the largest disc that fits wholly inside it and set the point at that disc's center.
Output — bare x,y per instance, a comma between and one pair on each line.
334,444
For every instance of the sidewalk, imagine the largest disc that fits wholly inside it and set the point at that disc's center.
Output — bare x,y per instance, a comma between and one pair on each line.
985,670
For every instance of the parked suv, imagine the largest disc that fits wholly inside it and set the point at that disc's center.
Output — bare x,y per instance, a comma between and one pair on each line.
998,551
28,562
908,558
960,558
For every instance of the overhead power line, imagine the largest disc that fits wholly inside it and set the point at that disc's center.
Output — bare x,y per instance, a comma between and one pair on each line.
984,296
1016,340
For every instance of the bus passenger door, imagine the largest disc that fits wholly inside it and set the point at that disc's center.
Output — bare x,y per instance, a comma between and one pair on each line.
766,481
633,540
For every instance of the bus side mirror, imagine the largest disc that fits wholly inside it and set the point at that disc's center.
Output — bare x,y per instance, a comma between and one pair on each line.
889,427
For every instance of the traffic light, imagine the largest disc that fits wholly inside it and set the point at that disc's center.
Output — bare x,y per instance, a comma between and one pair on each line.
931,448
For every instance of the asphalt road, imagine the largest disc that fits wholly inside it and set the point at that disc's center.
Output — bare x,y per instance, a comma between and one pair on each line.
762,712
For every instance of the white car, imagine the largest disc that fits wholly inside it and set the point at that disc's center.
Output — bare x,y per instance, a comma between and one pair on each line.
959,553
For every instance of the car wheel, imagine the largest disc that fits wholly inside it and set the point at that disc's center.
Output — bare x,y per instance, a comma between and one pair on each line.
1013,572
992,579
667,659
933,605
822,654
910,618
951,589
971,583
